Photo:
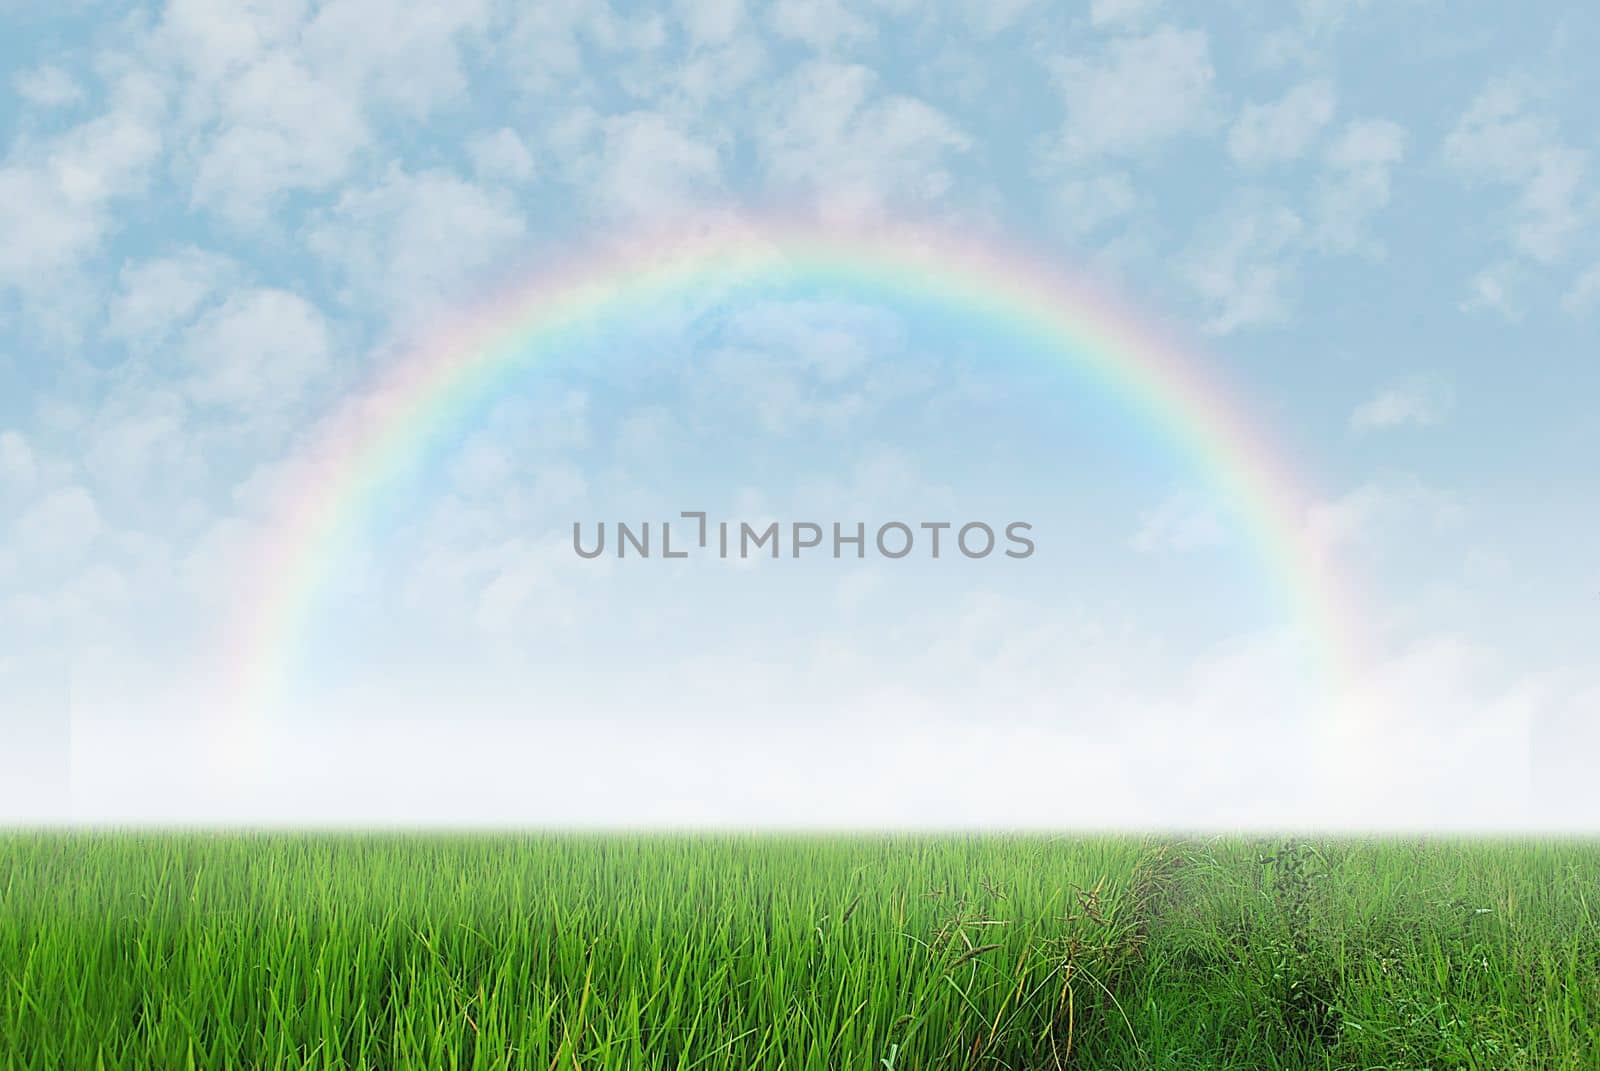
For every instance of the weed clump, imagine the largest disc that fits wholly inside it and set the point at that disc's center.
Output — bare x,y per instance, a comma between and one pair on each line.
1304,978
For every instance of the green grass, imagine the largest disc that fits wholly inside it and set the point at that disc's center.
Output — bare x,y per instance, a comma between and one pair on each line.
723,952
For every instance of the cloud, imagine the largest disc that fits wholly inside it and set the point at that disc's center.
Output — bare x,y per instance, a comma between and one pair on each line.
1136,94
256,352
822,24
992,17
799,367
1369,515
474,578
1355,183
1284,129
1118,12
1501,141
414,240
500,156
60,526
281,98
710,22
214,42
1243,263
1242,266
47,86
641,165
141,444
832,136
1330,12
56,196
84,612
717,72
157,295
1491,289
1584,295
1086,204
1183,523
545,46
278,127
528,592
17,465
1309,40
1415,403
407,55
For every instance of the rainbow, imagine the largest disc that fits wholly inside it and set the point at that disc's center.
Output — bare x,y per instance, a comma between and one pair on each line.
364,444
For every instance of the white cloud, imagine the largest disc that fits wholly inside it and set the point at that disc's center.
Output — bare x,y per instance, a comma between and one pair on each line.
1117,12
991,17
47,87
641,165
1371,514
647,432
112,156
1501,140
59,526
56,196
217,41
798,366
140,440
718,72
281,98
414,240
711,21
545,46
269,118
1491,288
156,296
525,591
41,230
405,54
833,136
1243,268
1309,40
1136,93
277,127
17,465
1416,403
501,156
1282,130
1356,182
822,24
257,351
1183,523
1089,203
1325,12
1584,295
497,585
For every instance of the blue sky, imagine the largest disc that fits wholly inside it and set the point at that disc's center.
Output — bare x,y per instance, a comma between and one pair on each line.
1383,220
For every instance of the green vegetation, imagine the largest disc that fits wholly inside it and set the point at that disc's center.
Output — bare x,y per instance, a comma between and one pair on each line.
716,953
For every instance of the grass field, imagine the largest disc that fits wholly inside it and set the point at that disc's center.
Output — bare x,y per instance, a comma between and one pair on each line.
721,952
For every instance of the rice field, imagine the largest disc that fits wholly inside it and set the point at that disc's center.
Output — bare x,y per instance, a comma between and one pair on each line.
721,952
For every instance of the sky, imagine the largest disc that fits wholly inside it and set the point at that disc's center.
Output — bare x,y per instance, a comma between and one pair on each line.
218,231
